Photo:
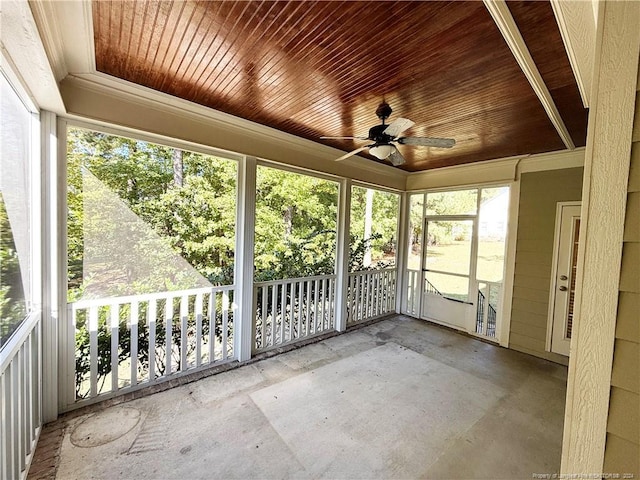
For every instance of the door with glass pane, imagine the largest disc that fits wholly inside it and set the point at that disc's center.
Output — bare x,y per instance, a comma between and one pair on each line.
447,270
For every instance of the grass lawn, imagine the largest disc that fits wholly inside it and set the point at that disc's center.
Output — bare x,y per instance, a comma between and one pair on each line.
454,258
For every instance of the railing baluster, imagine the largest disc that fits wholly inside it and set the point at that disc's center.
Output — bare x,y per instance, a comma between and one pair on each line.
332,303
356,308
115,320
24,407
93,350
184,322
263,316
152,312
168,318
225,324
133,336
274,316
198,307
379,293
283,310
307,308
212,326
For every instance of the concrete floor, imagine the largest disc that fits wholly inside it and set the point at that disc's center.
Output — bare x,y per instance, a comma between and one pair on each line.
396,399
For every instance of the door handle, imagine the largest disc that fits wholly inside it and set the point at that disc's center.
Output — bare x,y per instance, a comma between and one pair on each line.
562,288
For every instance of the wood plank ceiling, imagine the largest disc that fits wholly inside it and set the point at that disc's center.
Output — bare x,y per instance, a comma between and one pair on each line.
321,68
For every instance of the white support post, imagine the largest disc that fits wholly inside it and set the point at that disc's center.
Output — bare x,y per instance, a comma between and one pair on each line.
49,192
245,236
402,246
65,342
342,254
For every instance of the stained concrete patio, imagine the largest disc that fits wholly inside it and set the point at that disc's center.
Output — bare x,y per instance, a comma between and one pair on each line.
397,399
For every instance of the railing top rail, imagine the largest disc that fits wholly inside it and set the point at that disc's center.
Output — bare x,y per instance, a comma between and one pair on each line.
388,269
290,280
488,282
144,297
17,339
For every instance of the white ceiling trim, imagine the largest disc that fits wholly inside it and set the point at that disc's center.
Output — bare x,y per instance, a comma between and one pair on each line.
499,170
507,26
21,42
577,24
303,153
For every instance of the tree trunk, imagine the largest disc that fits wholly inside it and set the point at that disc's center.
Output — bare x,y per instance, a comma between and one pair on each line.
368,223
288,221
177,168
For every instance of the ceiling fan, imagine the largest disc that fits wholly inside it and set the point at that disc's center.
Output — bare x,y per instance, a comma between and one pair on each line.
385,136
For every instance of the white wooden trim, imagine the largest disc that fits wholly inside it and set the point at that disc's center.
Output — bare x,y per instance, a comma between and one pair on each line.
243,275
507,26
50,35
50,264
500,170
599,253
552,161
342,255
401,252
577,25
105,99
20,40
554,268
135,134
66,335
504,325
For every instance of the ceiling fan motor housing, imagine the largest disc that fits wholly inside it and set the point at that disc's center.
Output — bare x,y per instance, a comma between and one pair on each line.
377,134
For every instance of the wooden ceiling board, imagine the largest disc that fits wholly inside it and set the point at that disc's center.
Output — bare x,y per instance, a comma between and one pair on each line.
321,68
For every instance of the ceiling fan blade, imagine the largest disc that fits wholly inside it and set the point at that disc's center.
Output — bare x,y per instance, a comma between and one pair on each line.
343,138
428,141
347,155
396,158
398,126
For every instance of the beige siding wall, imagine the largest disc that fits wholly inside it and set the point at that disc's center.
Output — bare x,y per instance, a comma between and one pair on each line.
622,450
539,194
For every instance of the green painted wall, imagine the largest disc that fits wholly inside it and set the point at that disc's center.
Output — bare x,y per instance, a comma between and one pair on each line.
539,194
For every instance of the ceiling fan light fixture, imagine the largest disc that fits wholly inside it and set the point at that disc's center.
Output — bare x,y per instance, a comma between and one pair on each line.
382,151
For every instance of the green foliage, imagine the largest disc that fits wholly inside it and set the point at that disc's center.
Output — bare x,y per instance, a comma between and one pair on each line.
196,219
296,219
12,303
384,226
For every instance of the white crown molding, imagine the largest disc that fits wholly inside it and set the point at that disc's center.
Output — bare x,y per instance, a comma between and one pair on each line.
21,42
497,170
73,20
503,169
507,26
577,24
552,161
224,128
50,35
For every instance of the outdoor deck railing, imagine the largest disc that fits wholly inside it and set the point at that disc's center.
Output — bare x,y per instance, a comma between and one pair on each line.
20,415
292,309
123,343
486,313
370,294
414,291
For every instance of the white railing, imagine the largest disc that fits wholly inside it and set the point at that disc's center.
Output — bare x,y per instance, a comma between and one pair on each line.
414,291
124,343
292,309
20,396
487,307
370,294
